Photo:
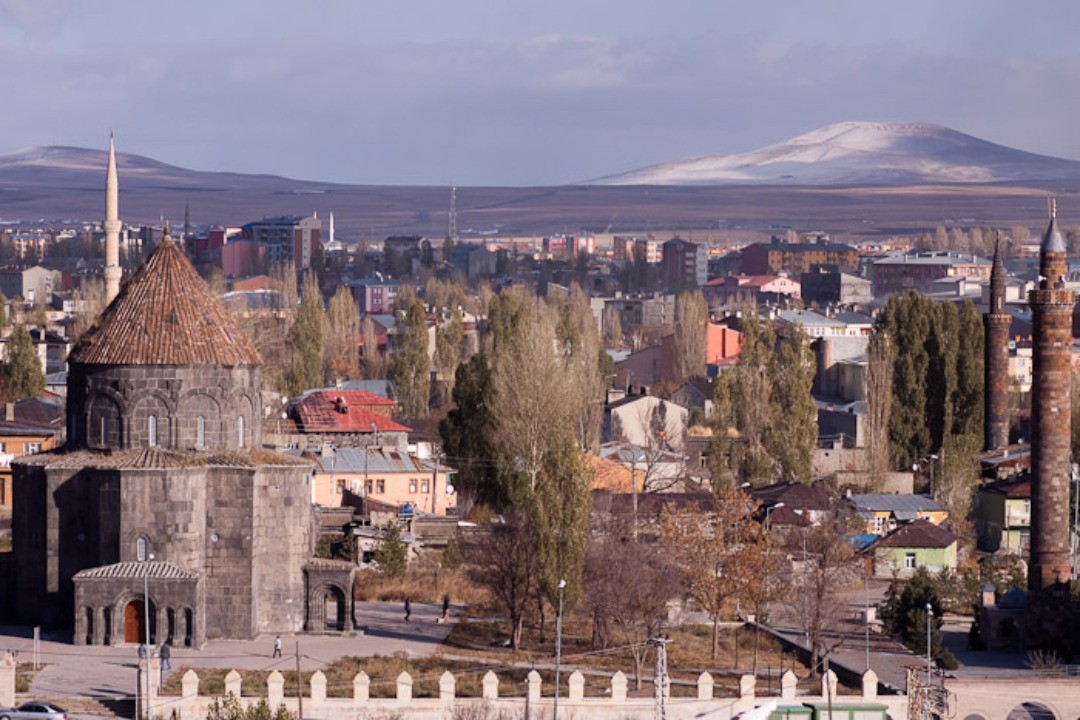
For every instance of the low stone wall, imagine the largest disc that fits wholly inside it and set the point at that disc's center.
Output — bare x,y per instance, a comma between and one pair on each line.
614,705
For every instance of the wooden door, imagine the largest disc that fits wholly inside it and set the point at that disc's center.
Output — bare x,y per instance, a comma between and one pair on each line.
133,621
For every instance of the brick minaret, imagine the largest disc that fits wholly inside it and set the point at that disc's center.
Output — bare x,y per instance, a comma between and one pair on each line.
996,365
1052,309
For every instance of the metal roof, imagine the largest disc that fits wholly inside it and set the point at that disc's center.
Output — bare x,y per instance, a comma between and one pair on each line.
895,503
378,460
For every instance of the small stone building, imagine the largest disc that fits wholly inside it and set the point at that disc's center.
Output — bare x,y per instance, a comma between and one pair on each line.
162,518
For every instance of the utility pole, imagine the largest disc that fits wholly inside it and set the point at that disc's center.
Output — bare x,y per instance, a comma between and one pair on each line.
660,681
299,686
558,650
866,615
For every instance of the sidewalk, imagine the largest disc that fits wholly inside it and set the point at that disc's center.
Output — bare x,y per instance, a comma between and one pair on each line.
96,671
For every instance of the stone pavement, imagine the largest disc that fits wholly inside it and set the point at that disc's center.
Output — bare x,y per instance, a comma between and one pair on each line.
93,671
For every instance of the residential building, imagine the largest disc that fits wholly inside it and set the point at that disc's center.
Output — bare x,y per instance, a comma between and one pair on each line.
750,290
374,295
342,418
649,311
628,248
347,476
291,237
917,544
825,285
1003,515
685,264
568,247
919,271
817,325
645,420
811,502
796,258
696,393
27,283
884,513
28,427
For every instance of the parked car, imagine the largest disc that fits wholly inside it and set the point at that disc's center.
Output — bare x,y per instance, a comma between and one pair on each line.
34,711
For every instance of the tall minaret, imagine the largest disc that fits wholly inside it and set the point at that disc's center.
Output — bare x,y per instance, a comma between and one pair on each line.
112,228
996,362
331,229
1052,311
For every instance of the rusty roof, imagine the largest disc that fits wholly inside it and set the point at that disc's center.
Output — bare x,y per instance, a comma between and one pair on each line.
165,315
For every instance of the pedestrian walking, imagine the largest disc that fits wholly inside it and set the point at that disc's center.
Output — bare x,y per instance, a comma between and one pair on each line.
445,608
142,651
408,608
166,656
277,646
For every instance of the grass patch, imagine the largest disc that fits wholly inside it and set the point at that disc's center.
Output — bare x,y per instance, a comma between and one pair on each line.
425,581
24,675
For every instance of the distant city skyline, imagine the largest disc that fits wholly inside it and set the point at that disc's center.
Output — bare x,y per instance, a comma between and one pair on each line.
519,93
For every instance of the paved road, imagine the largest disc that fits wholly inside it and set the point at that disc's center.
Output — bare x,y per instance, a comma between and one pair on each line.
111,671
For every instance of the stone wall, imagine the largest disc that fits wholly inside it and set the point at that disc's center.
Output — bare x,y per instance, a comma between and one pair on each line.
109,407
613,705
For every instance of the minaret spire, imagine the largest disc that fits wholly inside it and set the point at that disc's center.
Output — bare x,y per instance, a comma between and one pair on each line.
112,227
996,324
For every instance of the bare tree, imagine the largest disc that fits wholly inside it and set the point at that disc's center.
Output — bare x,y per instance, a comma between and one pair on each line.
504,561
340,341
691,321
718,550
826,569
375,364
629,586
89,304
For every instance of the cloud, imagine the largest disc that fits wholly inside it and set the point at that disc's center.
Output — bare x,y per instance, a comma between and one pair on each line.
33,16
546,109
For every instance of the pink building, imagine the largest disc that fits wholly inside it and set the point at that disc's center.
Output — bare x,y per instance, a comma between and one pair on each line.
346,476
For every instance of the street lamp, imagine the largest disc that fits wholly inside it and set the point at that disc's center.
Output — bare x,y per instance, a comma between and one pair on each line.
929,623
558,649
769,510
146,627
866,614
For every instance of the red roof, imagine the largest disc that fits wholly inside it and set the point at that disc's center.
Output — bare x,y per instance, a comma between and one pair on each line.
345,411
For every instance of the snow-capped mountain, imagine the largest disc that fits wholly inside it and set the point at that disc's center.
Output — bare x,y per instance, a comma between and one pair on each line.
861,153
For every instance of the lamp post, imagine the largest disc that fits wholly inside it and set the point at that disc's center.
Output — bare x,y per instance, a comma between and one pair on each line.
558,649
769,510
146,627
929,624
866,614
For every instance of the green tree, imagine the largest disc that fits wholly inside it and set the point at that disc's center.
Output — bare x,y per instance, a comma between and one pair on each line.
21,371
305,369
792,432
467,432
560,506
392,554
904,613
411,364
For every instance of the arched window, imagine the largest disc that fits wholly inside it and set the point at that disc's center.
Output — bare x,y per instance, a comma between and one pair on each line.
240,431
151,430
200,431
141,549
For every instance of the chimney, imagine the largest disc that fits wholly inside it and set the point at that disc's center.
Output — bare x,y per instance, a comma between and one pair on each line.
9,412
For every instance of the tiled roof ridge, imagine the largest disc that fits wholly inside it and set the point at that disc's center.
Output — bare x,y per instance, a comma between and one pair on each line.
165,314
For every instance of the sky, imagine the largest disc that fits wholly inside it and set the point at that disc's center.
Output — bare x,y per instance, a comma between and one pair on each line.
516,92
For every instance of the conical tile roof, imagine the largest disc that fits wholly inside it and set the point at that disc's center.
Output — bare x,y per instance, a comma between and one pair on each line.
165,315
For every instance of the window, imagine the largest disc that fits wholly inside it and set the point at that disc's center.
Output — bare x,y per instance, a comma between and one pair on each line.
151,430
30,448
380,486
412,485
3,447
367,487
200,431
340,487
909,561
240,431
425,486
140,549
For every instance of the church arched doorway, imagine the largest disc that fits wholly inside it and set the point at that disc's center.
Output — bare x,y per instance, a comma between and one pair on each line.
1031,711
334,608
135,622
134,614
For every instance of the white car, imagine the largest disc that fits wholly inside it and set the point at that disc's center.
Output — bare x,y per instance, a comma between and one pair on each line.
34,711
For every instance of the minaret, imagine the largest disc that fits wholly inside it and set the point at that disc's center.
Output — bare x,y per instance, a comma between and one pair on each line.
1052,311
996,323
112,228
331,229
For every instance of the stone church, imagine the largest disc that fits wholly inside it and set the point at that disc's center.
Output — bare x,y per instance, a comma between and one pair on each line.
162,518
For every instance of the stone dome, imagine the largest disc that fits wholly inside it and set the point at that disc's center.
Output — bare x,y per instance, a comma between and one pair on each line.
165,366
